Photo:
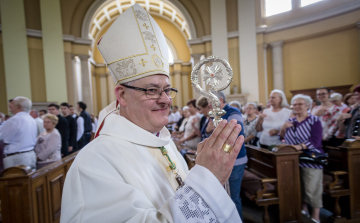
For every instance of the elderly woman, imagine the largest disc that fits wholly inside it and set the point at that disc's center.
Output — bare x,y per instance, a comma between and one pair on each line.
336,99
271,120
48,145
249,123
304,131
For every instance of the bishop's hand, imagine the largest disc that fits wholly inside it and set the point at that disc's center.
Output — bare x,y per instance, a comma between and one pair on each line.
210,153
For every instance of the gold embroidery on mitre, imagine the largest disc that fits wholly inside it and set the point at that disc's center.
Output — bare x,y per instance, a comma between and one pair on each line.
142,62
141,15
149,36
157,61
161,70
126,68
146,26
153,47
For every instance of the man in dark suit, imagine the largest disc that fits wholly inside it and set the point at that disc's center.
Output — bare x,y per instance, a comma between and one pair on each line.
63,128
81,107
64,107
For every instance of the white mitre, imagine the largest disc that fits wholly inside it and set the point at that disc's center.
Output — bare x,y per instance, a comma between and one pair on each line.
133,47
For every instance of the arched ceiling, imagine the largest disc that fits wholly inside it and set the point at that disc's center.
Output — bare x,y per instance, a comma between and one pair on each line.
111,9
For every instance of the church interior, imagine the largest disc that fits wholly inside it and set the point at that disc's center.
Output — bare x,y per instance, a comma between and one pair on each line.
49,54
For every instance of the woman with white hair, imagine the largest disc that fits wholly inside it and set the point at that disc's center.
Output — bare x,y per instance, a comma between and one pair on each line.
336,99
271,120
304,131
235,104
180,132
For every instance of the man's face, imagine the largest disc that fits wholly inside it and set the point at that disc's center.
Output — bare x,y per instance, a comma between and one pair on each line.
53,110
72,110
33,114
65,110
149,114
322,95
41,113
12,107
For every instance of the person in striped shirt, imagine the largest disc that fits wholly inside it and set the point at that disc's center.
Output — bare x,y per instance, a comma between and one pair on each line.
304,131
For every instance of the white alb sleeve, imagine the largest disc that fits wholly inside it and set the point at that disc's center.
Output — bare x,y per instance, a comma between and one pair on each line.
202,199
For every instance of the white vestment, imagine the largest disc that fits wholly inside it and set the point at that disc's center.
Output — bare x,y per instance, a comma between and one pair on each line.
121,176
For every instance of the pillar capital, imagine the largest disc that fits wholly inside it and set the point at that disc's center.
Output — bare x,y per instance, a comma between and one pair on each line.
196,56
277,44
83,57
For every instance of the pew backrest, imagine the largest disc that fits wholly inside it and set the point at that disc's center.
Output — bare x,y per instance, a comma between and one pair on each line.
28,196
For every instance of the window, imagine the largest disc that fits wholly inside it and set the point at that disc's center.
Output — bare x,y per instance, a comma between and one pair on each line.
308,2
273,7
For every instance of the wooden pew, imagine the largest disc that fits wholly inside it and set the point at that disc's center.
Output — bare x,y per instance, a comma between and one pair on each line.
272,177
344,185
28,196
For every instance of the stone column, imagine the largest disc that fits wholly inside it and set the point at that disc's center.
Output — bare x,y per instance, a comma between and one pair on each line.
249,78
219,38
278,70
104,92
186,88
77,97
53,47
265,71
177,80
15,51
86,87
111,88
196,58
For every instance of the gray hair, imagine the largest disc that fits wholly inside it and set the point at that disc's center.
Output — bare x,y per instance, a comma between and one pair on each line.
284,102
23,102
306,98
221,94
238,104
185,107
336,97
251,103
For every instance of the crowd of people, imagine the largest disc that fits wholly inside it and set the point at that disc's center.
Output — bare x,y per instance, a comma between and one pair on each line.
39,138
307,124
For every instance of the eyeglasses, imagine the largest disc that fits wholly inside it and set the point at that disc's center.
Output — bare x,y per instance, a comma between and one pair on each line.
322,94
155,92
300,104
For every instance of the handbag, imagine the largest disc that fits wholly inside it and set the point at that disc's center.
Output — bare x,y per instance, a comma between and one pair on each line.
314,157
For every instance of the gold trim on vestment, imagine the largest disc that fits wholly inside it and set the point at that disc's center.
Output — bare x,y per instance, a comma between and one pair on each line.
142,39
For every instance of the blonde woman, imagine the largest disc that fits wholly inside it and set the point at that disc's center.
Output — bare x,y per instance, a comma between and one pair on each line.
271,120
48,145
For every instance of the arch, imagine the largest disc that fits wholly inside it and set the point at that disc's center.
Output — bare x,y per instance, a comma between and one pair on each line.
181,11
